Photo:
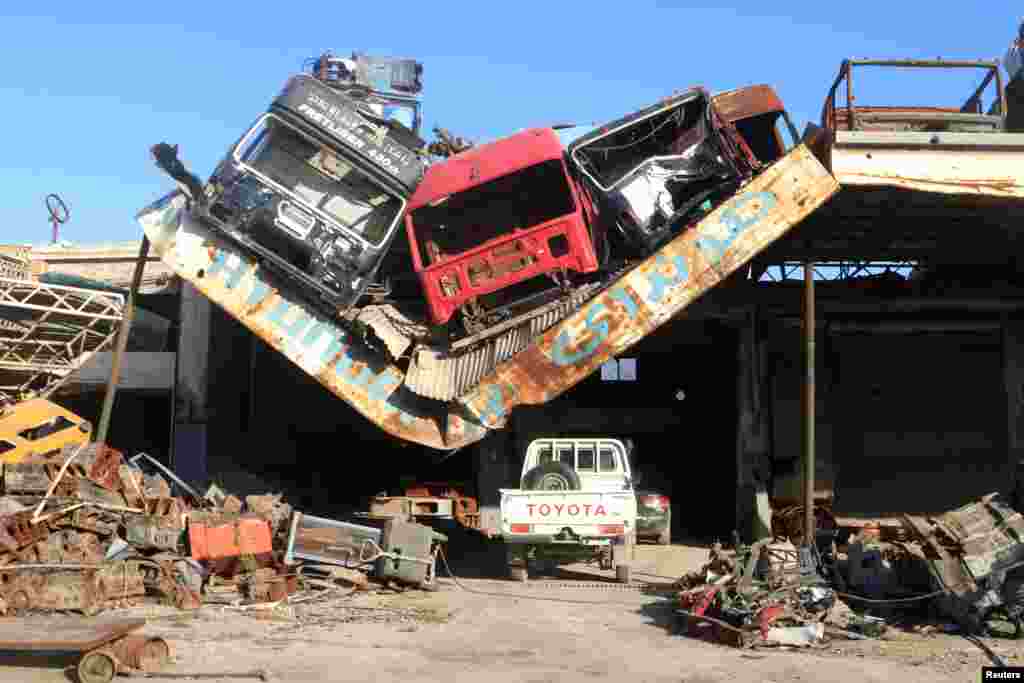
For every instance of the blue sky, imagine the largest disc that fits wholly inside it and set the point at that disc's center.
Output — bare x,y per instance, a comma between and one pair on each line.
87,91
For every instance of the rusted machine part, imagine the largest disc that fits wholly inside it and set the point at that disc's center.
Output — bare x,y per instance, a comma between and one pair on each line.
17,531
101,464
85,590
465,509
97,666
788,522
139,653
720,630
447,144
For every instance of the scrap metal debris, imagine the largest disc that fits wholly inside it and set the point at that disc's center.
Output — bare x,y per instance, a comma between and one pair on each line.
87,530
966,565
755,595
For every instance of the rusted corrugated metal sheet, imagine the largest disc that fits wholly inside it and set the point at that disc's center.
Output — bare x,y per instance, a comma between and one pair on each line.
631,308
742,103
657,289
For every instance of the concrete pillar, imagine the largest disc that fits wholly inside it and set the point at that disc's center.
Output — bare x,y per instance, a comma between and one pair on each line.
753,442
191,388
1013,377
496,469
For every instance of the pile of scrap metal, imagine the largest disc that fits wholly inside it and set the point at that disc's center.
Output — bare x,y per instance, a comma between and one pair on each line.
975,555
87,530
768,593
966,565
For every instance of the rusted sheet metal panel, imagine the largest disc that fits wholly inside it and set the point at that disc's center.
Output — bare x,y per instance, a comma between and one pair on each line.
958,163
742,103
657,289
67,633
338,359
988,533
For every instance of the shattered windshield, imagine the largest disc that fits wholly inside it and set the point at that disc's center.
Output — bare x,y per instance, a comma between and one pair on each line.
675,135
320,178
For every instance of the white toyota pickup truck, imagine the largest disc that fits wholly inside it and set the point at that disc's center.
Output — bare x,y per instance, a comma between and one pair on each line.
575,501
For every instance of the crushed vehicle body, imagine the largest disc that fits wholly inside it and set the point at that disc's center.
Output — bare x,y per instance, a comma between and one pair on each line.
976,555
659,168
509,234
501,237
953,150
628,309
302,250
388,86
760,118
315,190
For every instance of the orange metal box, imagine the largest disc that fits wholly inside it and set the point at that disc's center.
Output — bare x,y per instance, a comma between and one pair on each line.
213,538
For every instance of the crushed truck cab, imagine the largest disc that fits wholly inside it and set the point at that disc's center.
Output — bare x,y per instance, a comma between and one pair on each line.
575,502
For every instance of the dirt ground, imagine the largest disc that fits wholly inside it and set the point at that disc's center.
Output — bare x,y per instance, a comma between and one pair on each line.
499,631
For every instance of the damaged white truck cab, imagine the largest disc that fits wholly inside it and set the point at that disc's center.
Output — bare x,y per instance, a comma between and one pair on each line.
575,502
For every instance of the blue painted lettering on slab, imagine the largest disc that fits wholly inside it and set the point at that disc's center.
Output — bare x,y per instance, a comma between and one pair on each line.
292,329
561,357
336,355
620,294
234,273
735,225
660,283
260,291
495,407
389,409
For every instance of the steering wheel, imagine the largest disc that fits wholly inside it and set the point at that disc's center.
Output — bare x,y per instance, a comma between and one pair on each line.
58,209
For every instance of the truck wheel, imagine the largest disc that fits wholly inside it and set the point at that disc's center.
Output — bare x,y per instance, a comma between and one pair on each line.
552,476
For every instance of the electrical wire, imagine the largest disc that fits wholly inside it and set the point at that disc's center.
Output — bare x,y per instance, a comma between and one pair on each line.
671,119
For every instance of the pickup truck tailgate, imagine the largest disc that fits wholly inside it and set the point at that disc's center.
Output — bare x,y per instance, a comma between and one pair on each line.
547,513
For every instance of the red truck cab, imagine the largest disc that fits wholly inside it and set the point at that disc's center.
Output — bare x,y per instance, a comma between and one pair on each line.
497,225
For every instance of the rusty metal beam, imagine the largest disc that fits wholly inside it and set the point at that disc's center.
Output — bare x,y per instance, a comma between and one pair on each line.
122,342
809,403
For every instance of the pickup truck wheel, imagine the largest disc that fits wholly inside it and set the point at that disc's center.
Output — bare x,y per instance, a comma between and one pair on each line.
552,476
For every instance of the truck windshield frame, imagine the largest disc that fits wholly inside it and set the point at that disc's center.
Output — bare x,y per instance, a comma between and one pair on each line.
254,143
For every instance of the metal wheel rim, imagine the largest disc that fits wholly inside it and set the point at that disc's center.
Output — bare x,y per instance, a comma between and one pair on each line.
154,654
97,667
55,205
554,482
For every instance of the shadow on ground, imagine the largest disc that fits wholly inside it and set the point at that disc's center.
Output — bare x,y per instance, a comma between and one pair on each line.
55,661
661,614
471,555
